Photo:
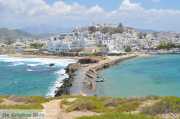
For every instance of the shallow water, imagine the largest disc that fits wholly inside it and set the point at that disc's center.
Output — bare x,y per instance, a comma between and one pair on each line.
156,75
30,76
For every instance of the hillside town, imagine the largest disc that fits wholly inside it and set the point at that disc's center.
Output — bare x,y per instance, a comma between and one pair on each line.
106,39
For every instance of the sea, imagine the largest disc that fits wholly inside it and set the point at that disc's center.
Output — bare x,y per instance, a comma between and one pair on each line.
31,76
156,75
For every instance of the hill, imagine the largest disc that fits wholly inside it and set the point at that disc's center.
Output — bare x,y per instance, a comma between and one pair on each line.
12,34
78,107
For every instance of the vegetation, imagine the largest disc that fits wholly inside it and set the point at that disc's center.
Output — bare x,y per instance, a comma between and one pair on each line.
166,45
165,105
123,108
22,106
33,102
102,104
1,98
36,45
128,49
106,107
119,116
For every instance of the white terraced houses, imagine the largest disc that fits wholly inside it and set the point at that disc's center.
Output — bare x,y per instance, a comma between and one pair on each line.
82,38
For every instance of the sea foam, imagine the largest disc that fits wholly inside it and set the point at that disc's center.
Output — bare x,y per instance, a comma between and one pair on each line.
39,61
33,62
61,75
16,64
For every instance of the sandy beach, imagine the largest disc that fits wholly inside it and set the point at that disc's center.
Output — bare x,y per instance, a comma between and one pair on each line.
42,56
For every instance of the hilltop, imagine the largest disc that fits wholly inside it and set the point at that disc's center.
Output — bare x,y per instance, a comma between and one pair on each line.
78,107
11,34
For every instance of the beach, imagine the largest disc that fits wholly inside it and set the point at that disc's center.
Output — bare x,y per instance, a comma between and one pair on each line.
42,56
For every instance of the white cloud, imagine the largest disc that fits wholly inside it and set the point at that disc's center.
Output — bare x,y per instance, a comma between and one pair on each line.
127,5
24,13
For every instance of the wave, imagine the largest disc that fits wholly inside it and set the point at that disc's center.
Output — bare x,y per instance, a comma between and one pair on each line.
58,83
16,64
33,62
61,72
30,70
34,65
37,61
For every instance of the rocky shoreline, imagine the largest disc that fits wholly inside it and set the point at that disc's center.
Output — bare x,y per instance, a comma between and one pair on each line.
83,75
67,83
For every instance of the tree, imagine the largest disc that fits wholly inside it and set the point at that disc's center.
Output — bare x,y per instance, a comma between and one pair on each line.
120,28
166,45
36,45
120,25
128,49
92,29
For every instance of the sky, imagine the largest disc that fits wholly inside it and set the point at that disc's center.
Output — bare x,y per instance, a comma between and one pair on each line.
41,16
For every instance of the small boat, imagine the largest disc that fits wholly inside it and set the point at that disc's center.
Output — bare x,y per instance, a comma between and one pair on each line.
101,80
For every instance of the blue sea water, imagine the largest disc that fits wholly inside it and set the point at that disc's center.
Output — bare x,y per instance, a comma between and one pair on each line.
31,76
157,75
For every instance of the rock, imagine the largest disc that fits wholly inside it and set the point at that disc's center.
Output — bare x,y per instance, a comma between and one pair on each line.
51,64
88,60
72,68
67,83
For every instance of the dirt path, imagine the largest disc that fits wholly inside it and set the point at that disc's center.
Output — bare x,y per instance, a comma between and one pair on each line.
52,110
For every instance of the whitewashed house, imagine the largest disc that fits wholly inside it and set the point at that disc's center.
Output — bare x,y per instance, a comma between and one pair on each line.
59,44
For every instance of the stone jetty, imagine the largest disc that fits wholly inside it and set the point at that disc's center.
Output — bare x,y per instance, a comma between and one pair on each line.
84,78
67,83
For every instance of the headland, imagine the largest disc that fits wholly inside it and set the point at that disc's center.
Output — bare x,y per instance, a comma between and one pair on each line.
83,74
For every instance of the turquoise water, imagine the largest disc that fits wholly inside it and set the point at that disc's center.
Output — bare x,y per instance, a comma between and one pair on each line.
156,75
30,77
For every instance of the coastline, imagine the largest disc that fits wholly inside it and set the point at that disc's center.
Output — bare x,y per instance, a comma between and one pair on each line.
18,55
83,79
46,60
79,79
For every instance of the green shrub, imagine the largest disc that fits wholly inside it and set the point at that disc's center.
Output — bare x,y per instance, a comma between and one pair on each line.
38,99
165,105
25,106
102,104
84,104
166,45
36,45
33,102
118,116
65,102
32,99
127,106
128,49
1,98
